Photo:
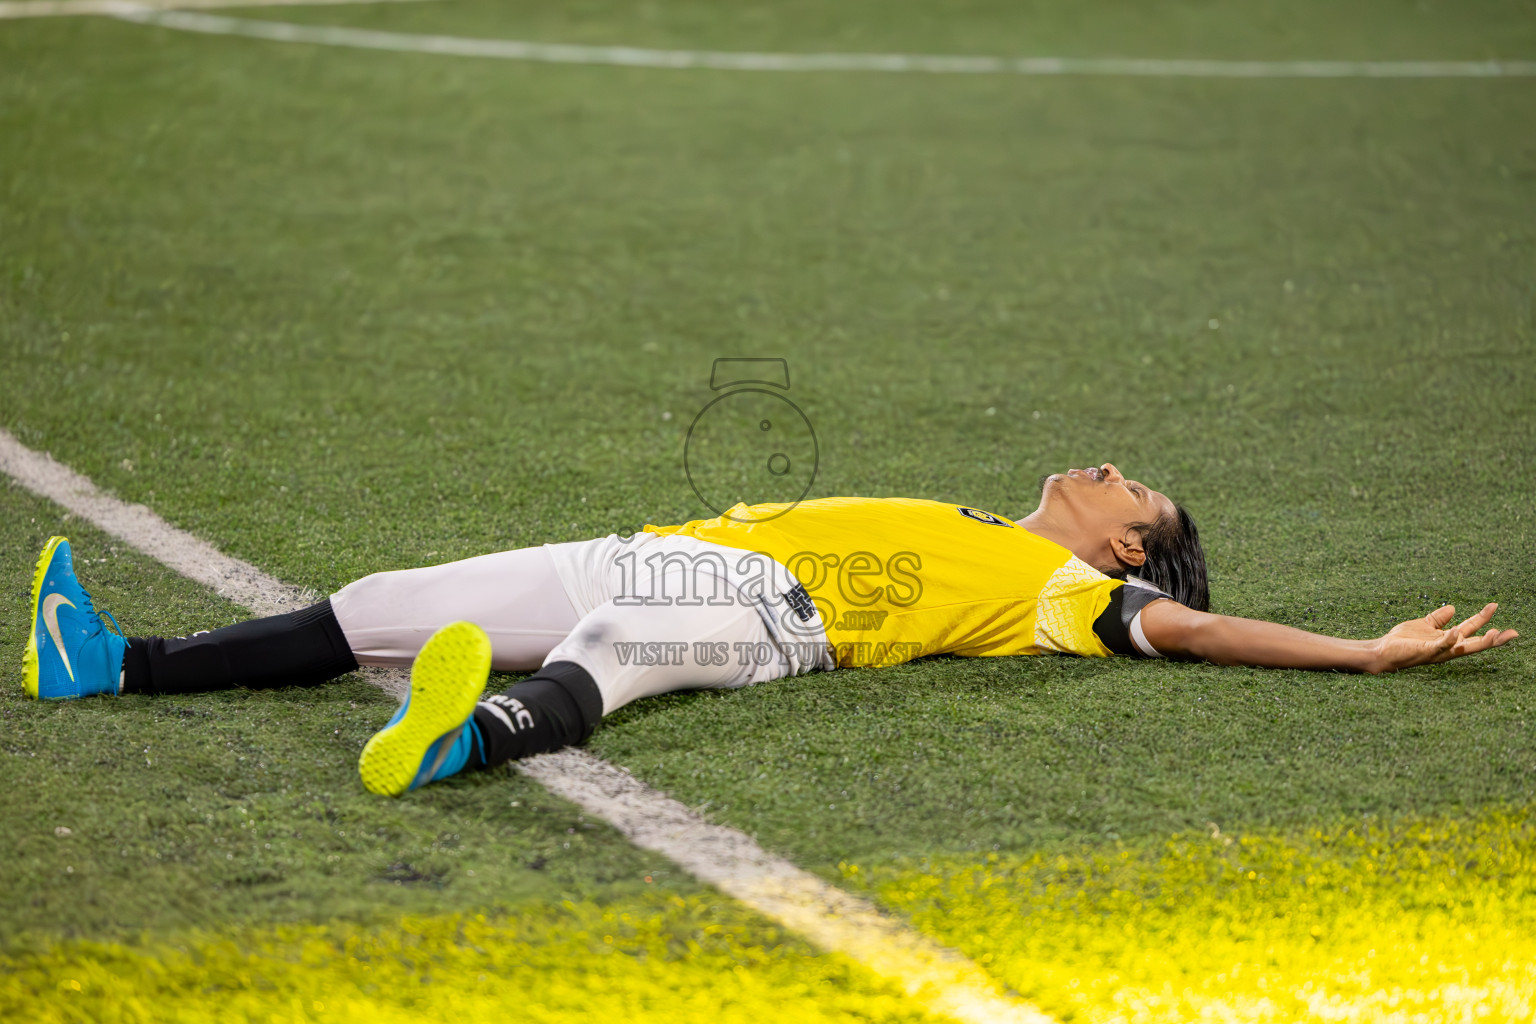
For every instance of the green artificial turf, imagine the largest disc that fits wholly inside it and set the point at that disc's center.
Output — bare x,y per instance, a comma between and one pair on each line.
341,311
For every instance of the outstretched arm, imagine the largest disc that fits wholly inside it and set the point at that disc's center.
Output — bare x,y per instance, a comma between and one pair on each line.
1176,630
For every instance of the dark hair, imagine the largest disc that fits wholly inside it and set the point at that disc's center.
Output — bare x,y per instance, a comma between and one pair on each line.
1175,560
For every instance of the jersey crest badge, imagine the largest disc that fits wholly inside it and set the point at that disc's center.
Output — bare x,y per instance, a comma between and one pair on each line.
983,517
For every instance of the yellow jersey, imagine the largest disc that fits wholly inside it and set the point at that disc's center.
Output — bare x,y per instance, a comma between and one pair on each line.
899,578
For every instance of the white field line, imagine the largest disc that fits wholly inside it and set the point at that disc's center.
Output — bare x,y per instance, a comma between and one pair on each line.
195,559
939,979
69,8
631,56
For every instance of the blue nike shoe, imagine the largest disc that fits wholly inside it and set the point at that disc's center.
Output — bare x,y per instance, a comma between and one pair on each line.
69,651
433,734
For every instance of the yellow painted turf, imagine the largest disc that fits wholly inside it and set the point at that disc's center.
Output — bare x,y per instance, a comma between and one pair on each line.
1430,920
658,958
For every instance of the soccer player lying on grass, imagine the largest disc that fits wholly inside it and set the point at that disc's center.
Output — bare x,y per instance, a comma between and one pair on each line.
1103,566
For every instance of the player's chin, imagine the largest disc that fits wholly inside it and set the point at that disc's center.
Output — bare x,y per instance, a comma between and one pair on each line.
1057,484
1052,488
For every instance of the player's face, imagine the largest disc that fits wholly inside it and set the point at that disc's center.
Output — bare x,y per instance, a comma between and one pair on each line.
1100,499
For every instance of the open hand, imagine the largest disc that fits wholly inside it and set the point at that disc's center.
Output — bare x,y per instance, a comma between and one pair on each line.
1428,641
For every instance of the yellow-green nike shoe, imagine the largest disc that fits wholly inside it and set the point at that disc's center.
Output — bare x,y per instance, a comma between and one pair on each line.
433,734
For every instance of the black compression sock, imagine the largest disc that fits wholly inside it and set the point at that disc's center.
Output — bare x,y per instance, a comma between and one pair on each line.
558,706
302,648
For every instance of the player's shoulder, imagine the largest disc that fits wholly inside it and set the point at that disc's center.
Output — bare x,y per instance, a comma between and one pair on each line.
1118,626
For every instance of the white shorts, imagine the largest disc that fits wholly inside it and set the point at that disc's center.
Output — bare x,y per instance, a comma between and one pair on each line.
642,614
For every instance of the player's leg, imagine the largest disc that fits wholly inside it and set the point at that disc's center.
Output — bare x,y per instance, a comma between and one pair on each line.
615,655
300,648
382,619
618,654
71,653
516,597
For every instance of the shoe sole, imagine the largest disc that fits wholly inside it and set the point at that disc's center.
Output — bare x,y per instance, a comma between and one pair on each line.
29,664
447,680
